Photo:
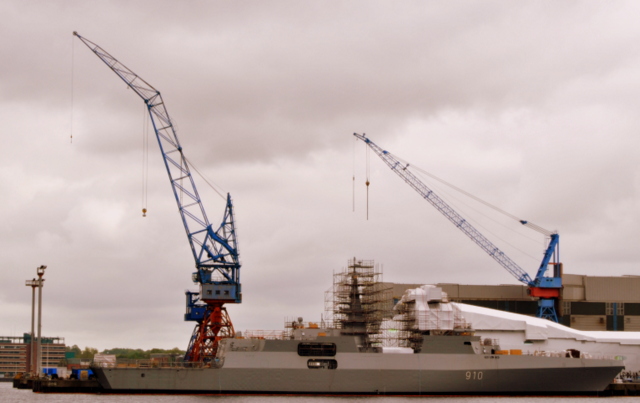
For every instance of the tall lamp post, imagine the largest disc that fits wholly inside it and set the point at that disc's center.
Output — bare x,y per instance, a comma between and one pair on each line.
35,363
40,272
32,361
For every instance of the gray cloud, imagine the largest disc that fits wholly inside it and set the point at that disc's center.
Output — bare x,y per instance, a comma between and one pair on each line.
531,106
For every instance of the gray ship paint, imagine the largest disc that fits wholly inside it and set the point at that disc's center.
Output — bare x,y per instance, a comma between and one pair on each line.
452,364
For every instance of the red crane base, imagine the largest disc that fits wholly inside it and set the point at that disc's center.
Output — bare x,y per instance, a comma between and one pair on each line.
215,326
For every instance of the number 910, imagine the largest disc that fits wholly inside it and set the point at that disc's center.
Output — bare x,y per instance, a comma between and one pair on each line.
473,375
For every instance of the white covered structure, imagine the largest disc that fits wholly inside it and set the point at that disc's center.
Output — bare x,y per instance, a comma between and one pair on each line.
515,331
423,308
427,308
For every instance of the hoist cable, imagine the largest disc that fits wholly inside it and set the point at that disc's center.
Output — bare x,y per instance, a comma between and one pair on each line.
353,184
145,160
72,89
367,182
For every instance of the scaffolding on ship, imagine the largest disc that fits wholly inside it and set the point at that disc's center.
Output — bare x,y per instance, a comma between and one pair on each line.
359,302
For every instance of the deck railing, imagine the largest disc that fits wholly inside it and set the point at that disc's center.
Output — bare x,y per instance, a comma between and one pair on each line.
149,363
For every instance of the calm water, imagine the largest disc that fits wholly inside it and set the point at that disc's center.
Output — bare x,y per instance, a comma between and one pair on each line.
10,395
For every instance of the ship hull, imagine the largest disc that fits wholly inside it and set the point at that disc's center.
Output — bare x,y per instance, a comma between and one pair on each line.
365,373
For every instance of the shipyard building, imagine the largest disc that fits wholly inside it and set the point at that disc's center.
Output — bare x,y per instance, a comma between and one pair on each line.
591,303
15,354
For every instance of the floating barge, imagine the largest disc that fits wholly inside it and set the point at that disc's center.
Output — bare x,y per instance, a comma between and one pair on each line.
66,386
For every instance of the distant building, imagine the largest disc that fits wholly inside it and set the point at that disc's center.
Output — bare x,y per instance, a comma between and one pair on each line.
15,353
588,302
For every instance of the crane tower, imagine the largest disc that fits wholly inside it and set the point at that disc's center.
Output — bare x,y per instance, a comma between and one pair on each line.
215,250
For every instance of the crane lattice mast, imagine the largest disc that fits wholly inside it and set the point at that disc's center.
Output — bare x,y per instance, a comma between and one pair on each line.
215,251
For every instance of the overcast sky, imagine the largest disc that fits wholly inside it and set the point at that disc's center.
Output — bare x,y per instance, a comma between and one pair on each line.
531,106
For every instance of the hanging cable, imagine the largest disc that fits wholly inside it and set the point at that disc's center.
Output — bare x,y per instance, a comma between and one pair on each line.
367,181
353,184
72,83
145,160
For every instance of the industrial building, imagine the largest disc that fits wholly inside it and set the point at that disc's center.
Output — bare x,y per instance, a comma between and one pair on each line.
591,303
15,353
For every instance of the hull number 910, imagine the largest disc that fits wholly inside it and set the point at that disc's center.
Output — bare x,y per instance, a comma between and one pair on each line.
473,375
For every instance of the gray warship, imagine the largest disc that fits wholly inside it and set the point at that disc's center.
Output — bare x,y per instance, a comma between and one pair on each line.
420,345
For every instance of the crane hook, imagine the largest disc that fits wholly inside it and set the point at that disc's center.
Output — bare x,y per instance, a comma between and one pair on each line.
367,183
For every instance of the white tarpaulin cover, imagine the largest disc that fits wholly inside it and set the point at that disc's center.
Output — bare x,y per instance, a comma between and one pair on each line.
428,311
515,331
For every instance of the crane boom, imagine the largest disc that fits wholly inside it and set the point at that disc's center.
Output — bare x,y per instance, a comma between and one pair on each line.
544,287
215,251
211,250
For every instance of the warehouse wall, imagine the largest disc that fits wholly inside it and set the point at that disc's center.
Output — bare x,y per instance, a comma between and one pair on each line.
588,302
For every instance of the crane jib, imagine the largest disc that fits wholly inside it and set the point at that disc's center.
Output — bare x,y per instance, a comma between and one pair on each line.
191,209
542,286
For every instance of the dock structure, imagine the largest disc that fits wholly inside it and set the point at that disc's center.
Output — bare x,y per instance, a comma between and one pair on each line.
66,386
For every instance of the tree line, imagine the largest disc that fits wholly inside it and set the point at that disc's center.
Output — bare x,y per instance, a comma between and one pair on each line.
134,354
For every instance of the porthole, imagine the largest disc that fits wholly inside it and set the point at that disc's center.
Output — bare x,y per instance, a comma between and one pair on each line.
322,364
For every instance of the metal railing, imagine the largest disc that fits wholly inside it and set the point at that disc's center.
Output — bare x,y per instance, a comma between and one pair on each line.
148,363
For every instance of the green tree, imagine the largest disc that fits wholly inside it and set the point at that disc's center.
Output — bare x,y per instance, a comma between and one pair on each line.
74,349
130,353
139,354
88,353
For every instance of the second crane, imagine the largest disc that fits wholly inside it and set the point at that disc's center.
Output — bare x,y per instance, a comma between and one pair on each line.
546,288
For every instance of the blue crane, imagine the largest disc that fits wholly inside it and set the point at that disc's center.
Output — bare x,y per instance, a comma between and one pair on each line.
547,289
215,250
